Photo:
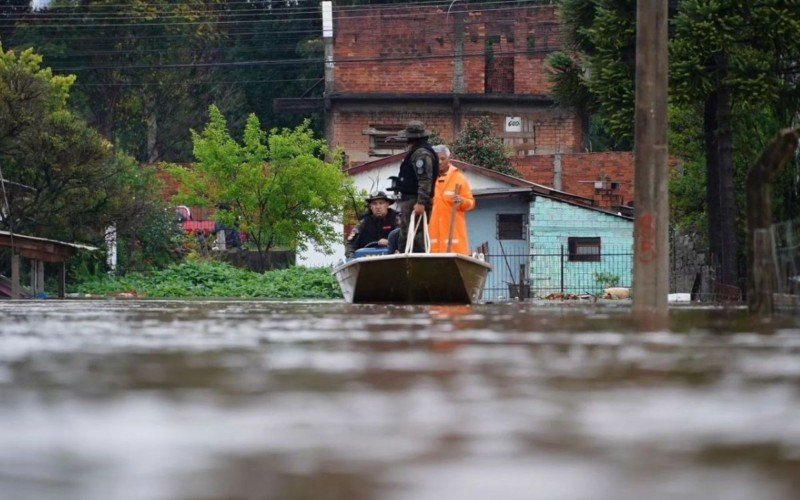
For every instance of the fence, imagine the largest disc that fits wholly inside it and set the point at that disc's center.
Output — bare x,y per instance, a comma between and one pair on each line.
786,241
540,274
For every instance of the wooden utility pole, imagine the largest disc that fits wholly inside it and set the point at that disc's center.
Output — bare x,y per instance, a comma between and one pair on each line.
650,233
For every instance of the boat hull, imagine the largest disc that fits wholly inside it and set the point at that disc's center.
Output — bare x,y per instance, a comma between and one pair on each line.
444,278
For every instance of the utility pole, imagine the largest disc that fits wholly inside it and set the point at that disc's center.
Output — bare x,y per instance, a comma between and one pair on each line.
327,40
650,233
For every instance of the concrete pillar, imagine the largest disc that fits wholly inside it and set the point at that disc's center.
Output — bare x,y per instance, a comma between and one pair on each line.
458,50
327,40
557,172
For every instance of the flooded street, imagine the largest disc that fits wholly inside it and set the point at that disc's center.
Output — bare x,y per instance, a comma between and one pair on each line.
301,400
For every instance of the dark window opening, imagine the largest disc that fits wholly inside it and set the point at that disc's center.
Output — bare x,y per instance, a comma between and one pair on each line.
531,43
584,249
382,139
510,227
499,68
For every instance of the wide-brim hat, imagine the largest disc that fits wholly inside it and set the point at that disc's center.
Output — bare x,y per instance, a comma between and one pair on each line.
380,195
414,130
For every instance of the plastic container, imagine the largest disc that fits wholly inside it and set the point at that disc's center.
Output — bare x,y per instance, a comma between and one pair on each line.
370,252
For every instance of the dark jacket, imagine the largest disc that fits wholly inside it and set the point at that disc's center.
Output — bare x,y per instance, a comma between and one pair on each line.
418,174
370,229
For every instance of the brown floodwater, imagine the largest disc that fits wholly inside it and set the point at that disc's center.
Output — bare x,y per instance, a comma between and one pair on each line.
325,400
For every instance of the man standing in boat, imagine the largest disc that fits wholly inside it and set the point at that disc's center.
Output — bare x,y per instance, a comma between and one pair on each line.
375,226
452,200
416,181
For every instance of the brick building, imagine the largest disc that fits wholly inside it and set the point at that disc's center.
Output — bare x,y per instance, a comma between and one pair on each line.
450,65
445,68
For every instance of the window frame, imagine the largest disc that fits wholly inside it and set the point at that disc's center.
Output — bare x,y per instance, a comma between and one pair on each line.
574,243
503,236
377,140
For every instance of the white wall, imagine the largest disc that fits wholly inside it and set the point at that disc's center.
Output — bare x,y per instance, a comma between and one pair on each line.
315,257
377,179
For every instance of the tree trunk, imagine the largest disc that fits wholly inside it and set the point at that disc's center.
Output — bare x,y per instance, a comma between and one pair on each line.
720,196
760,256
152,135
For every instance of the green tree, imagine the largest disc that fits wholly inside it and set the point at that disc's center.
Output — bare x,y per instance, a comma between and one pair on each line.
736,58
478,145
149,69
274,187
729,61
595,75
74,184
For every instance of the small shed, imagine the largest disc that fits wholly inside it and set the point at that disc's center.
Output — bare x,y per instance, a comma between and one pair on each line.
37,251
545,242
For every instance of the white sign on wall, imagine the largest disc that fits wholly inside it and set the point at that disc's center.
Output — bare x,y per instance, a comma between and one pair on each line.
513,124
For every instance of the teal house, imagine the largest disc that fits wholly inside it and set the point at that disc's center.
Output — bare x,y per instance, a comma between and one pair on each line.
544,242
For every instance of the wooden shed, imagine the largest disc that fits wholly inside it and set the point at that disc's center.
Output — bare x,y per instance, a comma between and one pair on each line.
38,251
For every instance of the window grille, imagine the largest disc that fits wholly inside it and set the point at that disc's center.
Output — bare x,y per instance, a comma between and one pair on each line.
510,227
584,249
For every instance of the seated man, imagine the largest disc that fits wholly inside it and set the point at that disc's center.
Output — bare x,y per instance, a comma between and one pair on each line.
375,226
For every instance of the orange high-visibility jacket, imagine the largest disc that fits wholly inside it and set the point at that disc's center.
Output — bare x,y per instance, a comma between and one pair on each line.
439,227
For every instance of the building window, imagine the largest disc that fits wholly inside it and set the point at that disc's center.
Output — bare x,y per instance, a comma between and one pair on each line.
380,140
531,44
510,227
584,249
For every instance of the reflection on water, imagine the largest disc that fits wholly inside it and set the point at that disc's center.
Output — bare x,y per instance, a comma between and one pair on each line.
188,399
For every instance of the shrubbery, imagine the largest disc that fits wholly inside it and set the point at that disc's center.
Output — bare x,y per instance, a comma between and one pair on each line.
204,279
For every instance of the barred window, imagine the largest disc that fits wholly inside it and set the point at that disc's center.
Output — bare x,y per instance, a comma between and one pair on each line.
510,227
584,249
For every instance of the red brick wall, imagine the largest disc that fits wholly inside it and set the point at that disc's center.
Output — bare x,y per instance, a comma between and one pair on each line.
367,39
538,169
578,167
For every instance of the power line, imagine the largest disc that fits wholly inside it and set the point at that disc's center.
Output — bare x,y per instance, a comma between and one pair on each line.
315,15
228,33
271,62
248,6
134,51
215,82
180,35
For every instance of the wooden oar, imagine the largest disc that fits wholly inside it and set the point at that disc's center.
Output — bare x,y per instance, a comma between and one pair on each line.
457,190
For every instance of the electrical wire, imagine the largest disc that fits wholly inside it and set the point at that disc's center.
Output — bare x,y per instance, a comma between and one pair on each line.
271,62
215,82
222,8
312,16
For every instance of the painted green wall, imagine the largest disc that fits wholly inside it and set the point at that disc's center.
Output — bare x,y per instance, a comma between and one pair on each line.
551,224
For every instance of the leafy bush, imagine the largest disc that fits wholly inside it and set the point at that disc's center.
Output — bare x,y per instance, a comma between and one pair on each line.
606,279
217,279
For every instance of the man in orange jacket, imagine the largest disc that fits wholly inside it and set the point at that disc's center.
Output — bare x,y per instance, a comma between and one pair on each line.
445,201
